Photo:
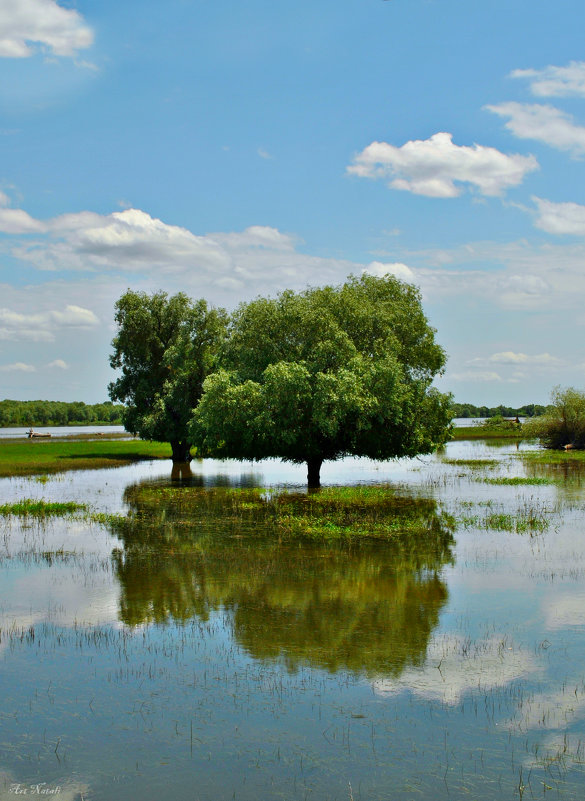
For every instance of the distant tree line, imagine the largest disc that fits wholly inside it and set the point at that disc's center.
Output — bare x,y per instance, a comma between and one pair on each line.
58,413
469,410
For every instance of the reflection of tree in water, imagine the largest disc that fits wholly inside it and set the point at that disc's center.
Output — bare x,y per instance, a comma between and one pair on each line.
568,474
366,606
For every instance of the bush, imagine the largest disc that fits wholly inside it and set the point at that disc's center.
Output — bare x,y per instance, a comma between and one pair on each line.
501,423
564,421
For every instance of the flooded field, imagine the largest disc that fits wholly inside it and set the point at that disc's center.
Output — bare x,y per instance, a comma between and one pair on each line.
182,638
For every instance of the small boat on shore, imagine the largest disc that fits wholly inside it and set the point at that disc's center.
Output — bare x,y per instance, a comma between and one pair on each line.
37,435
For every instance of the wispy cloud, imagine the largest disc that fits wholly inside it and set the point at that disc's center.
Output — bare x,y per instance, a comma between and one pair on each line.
472,375
41,327
29,25
544,124
555,81
18,367
515,359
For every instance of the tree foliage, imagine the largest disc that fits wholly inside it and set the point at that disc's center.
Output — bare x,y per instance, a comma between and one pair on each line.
165,347
564,421
326,373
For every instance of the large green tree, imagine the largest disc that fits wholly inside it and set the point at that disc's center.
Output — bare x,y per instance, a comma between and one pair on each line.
165,347
326,373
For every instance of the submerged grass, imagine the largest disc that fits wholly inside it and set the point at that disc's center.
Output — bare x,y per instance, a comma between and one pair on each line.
517,481
473,463
30,457
330,513
532,518
483,432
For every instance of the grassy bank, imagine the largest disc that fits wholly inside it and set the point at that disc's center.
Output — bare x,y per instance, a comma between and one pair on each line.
555,457
30,457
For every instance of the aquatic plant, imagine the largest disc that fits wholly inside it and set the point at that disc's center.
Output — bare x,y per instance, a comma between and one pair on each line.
29,507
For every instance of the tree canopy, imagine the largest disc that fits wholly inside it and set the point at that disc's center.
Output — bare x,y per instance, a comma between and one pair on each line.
165,347
326,373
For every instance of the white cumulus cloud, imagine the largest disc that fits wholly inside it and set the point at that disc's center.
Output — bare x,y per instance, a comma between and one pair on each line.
129,240
560,218
399,270
17,221
436,167
555,81
26,25
59,364
544,124
132,241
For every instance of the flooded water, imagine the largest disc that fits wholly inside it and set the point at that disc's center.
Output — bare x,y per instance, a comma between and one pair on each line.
18,432
119,431
190,647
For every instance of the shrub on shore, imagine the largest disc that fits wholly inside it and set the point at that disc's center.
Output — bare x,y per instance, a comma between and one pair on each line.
564,422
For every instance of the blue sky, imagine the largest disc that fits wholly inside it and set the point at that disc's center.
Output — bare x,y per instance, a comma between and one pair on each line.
233,149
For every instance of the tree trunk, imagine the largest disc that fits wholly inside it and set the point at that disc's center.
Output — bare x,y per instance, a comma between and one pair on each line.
181,450
313,470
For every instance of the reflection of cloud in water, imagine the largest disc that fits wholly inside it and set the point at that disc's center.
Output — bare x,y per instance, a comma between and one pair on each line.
562,748
553,711
456,666
552,715
564,611
65,790
53,595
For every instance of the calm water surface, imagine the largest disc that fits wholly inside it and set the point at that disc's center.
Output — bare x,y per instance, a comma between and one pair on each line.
181,652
